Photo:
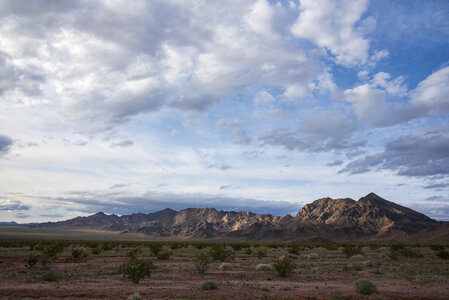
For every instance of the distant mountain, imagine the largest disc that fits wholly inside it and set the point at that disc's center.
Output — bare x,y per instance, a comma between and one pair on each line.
343,219
8,223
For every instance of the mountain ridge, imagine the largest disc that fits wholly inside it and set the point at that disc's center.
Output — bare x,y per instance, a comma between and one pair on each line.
341,219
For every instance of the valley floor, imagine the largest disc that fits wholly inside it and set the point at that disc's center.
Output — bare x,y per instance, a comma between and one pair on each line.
320,273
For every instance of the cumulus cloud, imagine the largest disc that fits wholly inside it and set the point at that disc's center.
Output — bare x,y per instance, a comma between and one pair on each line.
106,68
263,98
241,137
325,131
5,144
331,25
413,156
9,205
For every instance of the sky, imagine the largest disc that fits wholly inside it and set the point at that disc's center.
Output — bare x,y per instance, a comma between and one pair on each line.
261,106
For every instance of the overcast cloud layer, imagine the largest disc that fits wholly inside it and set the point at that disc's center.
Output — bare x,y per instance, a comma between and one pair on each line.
239,105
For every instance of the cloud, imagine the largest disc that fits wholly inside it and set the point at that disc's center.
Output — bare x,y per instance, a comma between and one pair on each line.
92,202
240,137
331,25
263,98
412,156
222,167
123,144
5,144
228,123
335,163
22,215
9,205
120,185
104,69
225,187
437,185
325,131
192,123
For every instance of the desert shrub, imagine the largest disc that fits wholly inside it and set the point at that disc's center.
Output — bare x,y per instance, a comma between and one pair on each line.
96,251
209,285
443,254
164,255
374,246
264,267
411,252
248,251
437,247
156,248
236,246
284,266
365,287
369,264
330,247
202,261
31,260
260,252
225,267
351,250
135,270
133,253
50,276
221,252
393,255
357,267
293,249
396,247
358,257
78,254
106,246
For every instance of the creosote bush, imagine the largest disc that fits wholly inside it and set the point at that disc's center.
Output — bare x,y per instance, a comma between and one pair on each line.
443,254
164,255
202,261
78,255
260,252
136,270
351,250
284,266
31,260
365,287
50,276
209,285
221,252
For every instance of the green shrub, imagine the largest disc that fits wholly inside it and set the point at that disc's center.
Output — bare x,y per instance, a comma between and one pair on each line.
221,252
411,252
357,267
284,266
260,252
365,287
248,251
78,254
443,254
51,276
164,255
202,261
437,247
133,253
135,270
156,248
96,251
31,260
293,249
209,285
351,250
369,264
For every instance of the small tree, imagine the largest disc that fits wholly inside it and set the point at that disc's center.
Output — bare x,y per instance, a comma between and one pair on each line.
284,266
221,252
135,270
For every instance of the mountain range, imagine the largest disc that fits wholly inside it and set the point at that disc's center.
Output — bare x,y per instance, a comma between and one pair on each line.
371,218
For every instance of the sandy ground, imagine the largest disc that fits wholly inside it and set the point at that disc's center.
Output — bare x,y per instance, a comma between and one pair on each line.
97,277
